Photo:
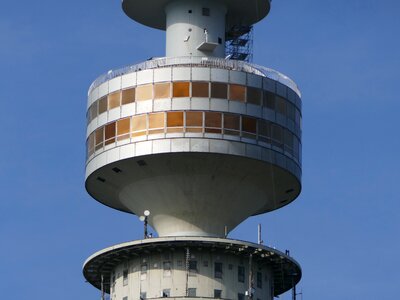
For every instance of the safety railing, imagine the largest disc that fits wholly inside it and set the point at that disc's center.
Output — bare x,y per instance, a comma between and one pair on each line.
195,61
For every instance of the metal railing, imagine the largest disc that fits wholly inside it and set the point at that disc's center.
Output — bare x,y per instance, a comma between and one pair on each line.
195,61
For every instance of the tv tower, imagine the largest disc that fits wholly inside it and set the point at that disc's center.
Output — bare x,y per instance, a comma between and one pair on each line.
194,143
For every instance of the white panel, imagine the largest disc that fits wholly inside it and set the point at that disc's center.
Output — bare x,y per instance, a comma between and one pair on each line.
253,151
91,127
237,107
145,76
280,160
200,103
269,85
162,74
180,74
90,168
219,75
123,142
199,145
193,135
112,155
103,89
281,89
213,135
156,136
254,80
266,155
144,106
143,148
128,80
201,74
127,151
114,84
219,105
219,146
237,148
254,110
180,103
231,137
102,119
162,104
93,96
175,135
101,160
180,145
269,114
128,110
237,77
114,114
162,146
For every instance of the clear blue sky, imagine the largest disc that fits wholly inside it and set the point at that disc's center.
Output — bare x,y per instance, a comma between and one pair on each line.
344,228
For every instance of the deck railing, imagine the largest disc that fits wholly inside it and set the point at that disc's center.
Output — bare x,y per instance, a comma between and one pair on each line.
195,61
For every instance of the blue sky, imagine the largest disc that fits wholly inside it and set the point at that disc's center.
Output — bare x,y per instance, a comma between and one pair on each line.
343,229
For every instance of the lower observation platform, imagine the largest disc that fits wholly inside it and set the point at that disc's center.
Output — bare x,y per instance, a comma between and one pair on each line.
145,264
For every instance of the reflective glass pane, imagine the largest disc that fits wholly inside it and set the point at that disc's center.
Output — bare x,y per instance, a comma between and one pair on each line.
194,119
264,128
254,95
288,139
237,92
128,96
162,90
93,111
156,120
139,123
175,119
249,125
181,89
269,100
144,92
277,134
290,111
114,100
219,90
280,105
99,137
102,104
200,89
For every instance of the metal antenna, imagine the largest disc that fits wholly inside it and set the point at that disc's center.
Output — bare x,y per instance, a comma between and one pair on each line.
260,241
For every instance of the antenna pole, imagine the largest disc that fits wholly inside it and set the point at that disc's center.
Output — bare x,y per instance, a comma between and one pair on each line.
260,241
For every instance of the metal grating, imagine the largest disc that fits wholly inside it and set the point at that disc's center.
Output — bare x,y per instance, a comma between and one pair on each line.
239,43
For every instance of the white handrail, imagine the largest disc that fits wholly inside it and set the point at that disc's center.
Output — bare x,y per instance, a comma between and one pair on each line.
213,62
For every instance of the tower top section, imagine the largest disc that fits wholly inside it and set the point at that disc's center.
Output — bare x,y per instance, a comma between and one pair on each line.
239,12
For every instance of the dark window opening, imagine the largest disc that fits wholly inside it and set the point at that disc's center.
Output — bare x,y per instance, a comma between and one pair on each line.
206,11
218,270
189,11
219,40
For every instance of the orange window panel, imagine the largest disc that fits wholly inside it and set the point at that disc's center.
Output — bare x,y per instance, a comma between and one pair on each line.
128,96
254,95
99,138
123,126
162,90
175,119
181,89
114,100
219,90
249,125
237,92
93,111
194,118
213,119
109,133
231,121
139,123
269,100
144,92
156,120
200,89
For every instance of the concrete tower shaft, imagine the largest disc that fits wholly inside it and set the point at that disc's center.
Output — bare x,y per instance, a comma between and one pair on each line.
196,27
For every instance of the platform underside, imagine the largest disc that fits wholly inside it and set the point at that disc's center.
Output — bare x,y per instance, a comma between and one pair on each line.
152,14
195,194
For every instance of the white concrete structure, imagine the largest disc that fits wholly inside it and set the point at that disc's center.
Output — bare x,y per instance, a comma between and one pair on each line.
203,143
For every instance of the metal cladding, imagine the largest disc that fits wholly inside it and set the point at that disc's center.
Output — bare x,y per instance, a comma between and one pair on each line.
199,142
